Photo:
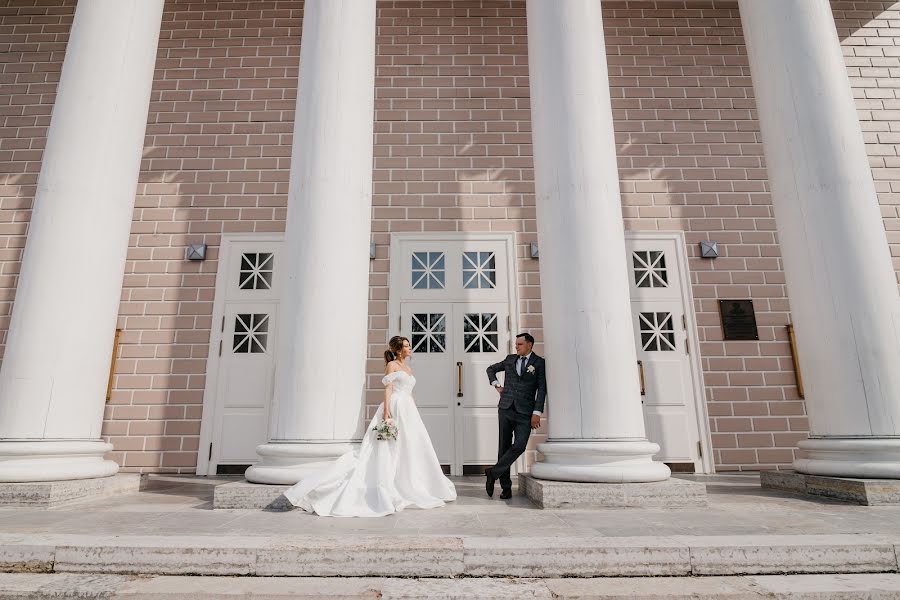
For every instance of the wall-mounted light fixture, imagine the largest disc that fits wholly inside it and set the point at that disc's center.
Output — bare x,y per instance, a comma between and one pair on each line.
371,250
535,252
195,252
709,249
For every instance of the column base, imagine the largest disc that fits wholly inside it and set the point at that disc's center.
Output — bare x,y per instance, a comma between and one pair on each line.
867,458
868,492
671,493
600,461
289,462
54,460
50,494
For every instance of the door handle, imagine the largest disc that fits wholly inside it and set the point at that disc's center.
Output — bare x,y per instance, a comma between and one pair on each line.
641,373
459,392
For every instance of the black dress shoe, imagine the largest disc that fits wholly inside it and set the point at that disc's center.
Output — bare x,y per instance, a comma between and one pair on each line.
489,482
506,494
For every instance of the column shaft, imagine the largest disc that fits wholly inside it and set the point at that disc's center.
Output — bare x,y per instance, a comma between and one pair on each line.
842,286
322,331
56,365
596,421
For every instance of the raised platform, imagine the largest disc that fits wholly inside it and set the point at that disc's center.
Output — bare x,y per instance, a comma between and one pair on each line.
794,587
869,492
243,494
48,494
672,493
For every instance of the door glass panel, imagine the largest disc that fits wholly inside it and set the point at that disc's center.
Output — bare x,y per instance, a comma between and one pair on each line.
251,333
428,270
657,331
650,269
479,270
429,332
480,332
256,271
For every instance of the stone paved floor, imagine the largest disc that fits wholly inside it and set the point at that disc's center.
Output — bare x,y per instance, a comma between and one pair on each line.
183,506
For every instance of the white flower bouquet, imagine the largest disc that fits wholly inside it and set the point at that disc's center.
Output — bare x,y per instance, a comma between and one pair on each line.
386,430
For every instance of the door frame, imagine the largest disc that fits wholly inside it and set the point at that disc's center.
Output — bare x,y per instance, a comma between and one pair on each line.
210,389
396,286
693,338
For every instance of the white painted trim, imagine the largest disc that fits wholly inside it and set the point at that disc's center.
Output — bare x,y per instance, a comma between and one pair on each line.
687,298
207,417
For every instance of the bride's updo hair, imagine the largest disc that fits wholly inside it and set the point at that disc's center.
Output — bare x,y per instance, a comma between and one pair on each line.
395,345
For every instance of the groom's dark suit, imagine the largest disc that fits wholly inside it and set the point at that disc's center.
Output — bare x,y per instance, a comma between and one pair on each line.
522,395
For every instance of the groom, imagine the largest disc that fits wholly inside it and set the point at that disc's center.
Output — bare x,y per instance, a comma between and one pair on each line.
521,404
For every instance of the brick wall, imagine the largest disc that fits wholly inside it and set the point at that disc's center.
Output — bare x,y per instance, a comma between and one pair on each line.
33,36
452,154
452,140
690,159
870,36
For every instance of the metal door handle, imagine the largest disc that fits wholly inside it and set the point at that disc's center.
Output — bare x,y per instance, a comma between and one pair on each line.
459,392
641,372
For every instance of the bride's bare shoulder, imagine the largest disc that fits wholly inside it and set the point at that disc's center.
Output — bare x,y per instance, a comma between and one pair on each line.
391,367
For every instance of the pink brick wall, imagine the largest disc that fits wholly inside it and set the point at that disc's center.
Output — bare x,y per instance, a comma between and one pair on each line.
690,159
452,154
452,140
870,36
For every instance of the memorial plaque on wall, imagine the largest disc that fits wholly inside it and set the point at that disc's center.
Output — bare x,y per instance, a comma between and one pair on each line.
738,320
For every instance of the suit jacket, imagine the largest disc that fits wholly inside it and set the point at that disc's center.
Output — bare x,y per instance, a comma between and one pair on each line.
526,393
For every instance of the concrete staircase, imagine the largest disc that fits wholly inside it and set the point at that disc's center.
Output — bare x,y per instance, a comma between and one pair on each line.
429,556
66,586
448,566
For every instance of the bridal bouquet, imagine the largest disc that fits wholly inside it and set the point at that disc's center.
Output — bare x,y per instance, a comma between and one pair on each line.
386,430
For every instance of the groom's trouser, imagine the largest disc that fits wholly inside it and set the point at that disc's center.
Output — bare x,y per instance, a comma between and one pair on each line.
515,428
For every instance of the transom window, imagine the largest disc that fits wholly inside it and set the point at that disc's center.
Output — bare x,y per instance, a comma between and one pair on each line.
650,269
429,332
657,331
251,333
428,271
479,270
256,271
480,332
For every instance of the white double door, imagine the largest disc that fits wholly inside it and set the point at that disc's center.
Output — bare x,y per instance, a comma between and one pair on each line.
453,344
452,295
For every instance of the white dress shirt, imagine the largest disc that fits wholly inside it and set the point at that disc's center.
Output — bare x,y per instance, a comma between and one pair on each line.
520,364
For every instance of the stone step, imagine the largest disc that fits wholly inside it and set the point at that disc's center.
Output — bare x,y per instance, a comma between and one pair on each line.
355,555
790,587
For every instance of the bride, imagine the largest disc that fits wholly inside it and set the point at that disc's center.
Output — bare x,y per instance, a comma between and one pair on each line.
382,476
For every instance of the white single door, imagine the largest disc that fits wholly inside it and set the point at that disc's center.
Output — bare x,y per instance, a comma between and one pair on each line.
482,339
430,327
241,366
661,336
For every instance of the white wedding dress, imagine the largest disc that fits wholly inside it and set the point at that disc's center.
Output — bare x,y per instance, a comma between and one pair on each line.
382,476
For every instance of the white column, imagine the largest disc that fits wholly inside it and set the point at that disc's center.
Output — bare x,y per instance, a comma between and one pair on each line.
596,422
58,351
842,286
319,399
